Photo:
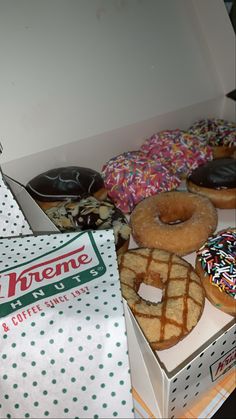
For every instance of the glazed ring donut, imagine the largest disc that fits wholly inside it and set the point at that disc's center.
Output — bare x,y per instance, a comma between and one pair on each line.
178,222
219,134
167,322
217,181
216,266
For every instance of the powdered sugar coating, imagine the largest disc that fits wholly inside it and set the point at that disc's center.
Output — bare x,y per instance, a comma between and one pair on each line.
132,176
178,150
217,132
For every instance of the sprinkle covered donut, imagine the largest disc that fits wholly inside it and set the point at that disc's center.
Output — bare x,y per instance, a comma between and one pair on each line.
216,265
179,150
168,321
178,222
219,134
132,176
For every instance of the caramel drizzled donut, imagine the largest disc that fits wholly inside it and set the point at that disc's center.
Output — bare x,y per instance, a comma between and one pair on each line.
167,322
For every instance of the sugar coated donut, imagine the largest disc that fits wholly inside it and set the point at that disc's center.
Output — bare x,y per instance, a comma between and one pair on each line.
63,183
216,265
178,222
131,177
167,322
219,134
217,181
181,151
91,214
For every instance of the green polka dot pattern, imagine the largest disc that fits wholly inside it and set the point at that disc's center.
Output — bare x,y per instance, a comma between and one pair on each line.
66,355
13,222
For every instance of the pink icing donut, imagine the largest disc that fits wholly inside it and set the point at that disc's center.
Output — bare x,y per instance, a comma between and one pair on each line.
131,177
179,150
217,132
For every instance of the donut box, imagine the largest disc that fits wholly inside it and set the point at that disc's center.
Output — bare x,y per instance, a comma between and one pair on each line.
180,375
74,107
168,381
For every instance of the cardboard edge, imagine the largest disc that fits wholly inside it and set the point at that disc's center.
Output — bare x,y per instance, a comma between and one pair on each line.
158,375
195,354
38,220
140,375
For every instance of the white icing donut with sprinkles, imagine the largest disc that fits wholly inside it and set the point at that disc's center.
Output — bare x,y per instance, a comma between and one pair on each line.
216,265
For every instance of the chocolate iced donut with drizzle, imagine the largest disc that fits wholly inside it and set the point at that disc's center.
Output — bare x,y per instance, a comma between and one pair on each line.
90,213
65,184
217,181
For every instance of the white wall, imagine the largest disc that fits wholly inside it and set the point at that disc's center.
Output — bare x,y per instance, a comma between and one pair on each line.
71,69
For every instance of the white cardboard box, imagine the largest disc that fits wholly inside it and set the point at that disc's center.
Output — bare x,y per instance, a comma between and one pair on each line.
82,83
168,395
168,381
180,375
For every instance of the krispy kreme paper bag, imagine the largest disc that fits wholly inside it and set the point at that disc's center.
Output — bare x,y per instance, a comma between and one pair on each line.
12,219
63,346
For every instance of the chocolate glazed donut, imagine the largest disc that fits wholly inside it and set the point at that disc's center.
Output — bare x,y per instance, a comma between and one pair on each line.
65,184
217,181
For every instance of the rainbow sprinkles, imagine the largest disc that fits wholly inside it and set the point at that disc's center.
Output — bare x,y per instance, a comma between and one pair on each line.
218,259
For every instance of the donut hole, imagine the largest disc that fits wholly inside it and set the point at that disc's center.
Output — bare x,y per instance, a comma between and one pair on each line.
176,215
150,293
150,288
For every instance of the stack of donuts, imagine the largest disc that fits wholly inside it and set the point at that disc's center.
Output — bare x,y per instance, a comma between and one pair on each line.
137,192
75,199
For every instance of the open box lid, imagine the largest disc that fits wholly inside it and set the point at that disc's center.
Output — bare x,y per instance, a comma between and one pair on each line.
71,71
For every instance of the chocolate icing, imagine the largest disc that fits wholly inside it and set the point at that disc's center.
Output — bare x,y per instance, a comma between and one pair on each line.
90,214
216,174
63,183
